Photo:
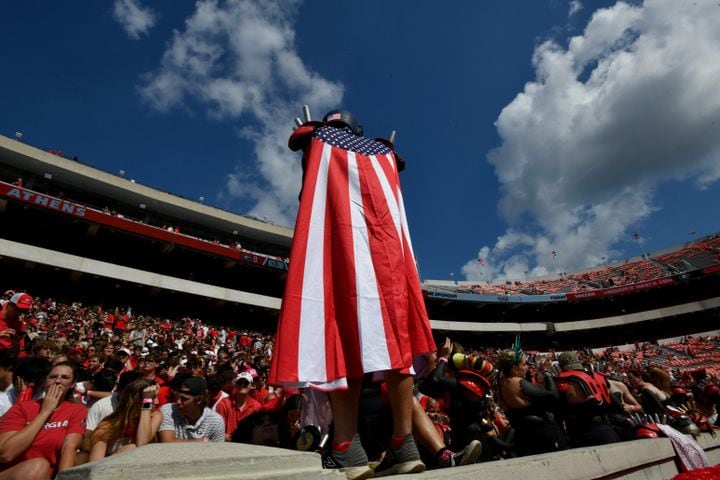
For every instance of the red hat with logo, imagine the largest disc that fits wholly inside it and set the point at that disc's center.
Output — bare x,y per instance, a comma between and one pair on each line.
22,301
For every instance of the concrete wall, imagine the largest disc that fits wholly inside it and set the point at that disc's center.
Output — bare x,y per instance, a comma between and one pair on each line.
649,459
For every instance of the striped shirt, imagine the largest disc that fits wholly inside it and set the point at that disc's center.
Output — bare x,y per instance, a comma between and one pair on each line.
210,425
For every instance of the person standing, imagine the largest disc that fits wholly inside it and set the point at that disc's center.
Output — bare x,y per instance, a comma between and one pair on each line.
352,303
11,325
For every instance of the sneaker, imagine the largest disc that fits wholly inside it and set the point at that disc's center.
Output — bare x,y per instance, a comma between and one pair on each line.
467,455
404,459
354,462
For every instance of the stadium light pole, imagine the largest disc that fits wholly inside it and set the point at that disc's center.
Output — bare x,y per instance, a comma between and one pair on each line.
638,239
557,265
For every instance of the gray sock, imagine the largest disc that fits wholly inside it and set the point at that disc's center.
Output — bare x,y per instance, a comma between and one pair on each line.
354,456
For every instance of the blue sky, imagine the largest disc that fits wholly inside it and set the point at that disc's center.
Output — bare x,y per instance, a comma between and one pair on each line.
528,126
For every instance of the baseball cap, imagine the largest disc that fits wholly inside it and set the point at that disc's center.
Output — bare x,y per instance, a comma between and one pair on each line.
569,361
193,386
123,350
22,300
244,376
145,351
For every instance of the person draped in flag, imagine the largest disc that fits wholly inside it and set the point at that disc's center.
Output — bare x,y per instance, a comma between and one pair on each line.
352,303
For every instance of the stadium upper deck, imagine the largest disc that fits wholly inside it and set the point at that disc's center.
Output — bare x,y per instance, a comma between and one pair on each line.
78,228
44,171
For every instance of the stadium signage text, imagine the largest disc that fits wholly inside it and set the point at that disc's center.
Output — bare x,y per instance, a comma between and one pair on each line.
620,290
136,227
474,297
44,201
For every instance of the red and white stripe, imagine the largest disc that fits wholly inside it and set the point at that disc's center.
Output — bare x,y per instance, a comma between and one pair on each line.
352,301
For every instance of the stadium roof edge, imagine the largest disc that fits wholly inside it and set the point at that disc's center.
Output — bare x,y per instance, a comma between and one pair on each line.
31,159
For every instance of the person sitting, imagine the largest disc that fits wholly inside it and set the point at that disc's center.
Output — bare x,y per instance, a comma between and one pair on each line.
101,409
653,399
134,422
8,393
38,438
529,407
99,386
189,419
239,406
588,403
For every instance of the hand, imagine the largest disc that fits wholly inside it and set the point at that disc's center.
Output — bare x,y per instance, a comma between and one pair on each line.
295,427
8,332
150,392
446,348
53,398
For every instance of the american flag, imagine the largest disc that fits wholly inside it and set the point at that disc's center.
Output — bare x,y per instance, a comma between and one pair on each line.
352,301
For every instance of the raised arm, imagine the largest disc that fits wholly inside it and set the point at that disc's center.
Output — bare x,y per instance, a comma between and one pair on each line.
14,443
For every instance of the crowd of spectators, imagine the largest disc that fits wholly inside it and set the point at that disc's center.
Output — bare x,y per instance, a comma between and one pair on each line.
698,255
80,382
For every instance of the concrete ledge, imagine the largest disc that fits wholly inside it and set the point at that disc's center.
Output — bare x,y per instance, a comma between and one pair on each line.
204,461
649,459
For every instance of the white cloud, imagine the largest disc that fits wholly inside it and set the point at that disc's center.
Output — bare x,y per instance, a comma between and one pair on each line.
237,60
628,104
575,7
135,19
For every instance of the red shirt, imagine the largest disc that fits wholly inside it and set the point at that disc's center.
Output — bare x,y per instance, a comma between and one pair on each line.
232,414
8,342
66,419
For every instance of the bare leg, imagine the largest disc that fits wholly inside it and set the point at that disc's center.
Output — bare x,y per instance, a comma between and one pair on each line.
345,411
402,456
400,389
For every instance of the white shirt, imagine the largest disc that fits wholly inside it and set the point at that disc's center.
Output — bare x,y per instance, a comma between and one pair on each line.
7,399
101,409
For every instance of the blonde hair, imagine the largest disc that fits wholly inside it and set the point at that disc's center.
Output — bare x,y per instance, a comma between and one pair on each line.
506,360
127,412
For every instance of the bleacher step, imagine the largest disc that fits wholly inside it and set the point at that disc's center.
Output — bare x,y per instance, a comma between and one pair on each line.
207,461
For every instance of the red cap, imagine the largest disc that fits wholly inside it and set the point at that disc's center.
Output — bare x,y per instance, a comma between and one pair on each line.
474,382
22,301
